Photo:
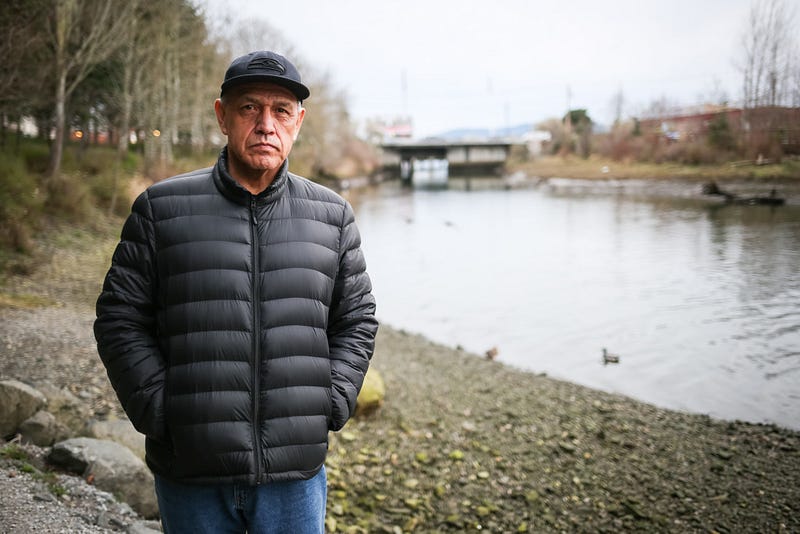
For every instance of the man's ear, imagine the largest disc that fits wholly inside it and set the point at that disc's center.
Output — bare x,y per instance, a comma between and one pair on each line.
300,117
219,110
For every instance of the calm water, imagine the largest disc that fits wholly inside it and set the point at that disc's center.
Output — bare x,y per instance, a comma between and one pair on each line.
700,301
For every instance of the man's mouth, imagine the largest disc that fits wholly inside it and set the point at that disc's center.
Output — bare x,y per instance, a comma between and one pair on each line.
264,146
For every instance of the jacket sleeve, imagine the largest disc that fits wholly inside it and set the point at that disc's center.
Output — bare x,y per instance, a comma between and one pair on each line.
125,328
352,325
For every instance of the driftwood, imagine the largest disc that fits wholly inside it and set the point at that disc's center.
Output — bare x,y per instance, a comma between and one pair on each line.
711,188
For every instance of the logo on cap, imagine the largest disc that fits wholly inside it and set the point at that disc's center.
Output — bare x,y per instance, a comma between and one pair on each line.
266,63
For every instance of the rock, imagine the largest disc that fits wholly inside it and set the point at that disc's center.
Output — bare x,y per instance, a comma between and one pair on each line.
120,431
108,521
112,467
468,426
372,393
412,502
456,455
722,454
43,429
330,524
18,402
145,527
566,447
66,407
348,436
44,496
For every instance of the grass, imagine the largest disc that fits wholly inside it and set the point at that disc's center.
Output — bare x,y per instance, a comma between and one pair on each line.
72,261
24,301
94,188
12,451
23,461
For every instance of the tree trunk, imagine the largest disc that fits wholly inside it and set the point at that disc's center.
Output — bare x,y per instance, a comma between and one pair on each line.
57,147
196,112
169,130
124,125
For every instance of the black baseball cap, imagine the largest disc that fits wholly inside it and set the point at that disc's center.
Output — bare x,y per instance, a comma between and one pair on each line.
264,66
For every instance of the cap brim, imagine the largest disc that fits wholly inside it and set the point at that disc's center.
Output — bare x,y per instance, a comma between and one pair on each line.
298,89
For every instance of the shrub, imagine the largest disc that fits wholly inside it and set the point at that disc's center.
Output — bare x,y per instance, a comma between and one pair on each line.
720,134
694,153
107,179
69,196
35,155
21,200
94,179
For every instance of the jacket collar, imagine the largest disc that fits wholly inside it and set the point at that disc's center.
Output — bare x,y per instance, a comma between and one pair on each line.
234,191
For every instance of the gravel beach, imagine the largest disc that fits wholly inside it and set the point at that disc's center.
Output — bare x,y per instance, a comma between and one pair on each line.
461,444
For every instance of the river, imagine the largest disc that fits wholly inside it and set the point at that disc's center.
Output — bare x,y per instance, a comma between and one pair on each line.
700,301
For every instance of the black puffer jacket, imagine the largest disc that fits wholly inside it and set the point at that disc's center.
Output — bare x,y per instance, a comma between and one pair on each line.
237,329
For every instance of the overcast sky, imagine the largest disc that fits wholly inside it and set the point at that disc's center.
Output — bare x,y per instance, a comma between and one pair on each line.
495,63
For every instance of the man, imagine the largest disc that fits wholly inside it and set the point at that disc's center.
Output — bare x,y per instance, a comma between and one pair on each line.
237,323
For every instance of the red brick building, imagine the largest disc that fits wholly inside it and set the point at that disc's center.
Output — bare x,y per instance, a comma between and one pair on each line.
762,130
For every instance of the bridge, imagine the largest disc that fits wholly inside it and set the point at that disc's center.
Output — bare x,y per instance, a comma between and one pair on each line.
432,162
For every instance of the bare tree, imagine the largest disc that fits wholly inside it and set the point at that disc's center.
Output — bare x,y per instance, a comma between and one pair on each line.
794,79
715,94
17,33
176,77
202,87
617,105
22,45
660,107
768,46
131,74
257,34
327,142
199,72
83,33
769,64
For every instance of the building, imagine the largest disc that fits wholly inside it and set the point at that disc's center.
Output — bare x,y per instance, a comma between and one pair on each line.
763,129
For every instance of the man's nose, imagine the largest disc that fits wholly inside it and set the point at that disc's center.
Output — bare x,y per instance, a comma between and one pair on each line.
265,123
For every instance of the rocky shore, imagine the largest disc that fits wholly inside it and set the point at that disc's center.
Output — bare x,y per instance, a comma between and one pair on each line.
461,443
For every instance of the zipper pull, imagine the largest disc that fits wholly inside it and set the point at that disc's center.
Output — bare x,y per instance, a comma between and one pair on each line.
253,217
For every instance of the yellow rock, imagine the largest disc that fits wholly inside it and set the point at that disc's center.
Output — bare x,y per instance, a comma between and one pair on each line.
372,393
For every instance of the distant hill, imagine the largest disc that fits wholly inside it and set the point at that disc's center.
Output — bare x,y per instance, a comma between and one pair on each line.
511,131
485,133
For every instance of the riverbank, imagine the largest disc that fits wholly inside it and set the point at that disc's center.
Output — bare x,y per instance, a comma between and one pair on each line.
604,168
461,443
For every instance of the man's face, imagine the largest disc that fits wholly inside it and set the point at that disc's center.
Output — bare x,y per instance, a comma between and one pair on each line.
262,121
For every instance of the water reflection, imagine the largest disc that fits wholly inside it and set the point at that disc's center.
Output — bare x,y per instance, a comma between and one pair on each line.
700,300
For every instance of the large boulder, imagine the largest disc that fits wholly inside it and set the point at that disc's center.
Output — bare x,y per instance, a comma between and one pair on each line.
121,431
111,467
43,429
68,409
18,402
372,393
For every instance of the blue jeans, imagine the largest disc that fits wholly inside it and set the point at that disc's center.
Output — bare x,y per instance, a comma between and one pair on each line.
296,507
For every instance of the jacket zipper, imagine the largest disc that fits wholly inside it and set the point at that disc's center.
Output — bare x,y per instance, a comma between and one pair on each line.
256,339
